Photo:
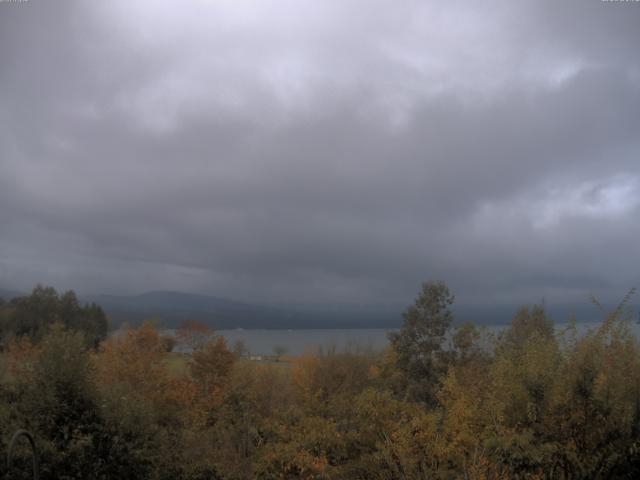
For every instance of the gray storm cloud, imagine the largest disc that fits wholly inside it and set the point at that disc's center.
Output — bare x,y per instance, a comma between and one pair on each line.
334,151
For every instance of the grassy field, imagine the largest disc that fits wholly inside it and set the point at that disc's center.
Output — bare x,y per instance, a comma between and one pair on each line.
177,363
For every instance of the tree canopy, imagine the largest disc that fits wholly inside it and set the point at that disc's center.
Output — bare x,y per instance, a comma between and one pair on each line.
441,402
33,315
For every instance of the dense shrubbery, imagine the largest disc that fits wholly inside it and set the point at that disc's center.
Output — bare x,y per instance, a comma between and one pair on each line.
530,403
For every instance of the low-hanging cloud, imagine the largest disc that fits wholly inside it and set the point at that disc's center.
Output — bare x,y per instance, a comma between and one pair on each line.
330,151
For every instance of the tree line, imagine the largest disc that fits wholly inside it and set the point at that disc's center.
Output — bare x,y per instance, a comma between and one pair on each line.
32,316
441,402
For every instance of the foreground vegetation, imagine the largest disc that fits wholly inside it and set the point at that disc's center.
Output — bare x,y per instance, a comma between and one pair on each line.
438,403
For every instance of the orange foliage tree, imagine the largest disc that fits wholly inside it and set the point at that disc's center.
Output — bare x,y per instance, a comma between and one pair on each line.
193,334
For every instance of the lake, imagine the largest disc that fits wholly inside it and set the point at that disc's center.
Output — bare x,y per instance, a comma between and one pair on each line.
261,342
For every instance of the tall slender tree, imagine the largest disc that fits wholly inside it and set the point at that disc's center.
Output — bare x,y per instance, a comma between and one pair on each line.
418,344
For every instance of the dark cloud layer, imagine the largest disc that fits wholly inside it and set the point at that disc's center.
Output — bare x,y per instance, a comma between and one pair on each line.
340,152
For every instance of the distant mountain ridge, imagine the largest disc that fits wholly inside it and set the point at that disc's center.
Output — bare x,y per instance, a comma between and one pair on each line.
171,308
7,295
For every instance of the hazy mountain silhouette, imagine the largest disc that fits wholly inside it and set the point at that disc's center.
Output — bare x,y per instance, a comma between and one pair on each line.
9,294
170,308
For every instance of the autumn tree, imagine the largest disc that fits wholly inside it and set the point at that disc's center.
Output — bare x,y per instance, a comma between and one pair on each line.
253,398
55,397
143,403
528,323
193,334
595,404
418,344
211,365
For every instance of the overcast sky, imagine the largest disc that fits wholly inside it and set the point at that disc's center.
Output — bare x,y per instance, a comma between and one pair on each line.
321,150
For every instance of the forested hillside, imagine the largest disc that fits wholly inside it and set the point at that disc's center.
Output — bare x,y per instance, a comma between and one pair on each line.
440,402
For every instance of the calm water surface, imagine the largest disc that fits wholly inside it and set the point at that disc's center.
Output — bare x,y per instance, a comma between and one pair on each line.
262,342
296,342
